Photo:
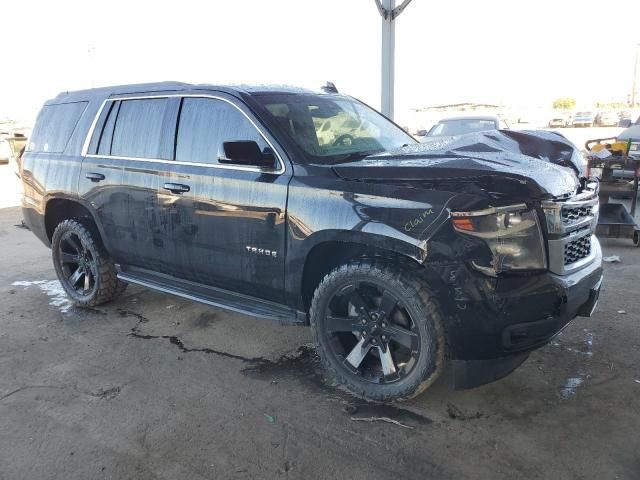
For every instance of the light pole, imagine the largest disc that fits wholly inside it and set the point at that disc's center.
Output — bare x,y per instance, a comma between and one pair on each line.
389,12
635,79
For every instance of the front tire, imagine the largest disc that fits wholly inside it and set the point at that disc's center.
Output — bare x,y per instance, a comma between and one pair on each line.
84,269
377,331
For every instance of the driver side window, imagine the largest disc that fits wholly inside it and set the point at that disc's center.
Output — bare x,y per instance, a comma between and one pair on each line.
205,124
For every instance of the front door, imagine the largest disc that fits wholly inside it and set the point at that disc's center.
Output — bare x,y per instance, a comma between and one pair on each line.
227,222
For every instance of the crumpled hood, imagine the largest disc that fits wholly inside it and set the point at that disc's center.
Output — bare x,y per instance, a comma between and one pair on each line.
515,164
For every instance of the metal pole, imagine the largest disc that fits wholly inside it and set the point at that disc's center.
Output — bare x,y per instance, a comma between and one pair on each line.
389,12
635,79
388,58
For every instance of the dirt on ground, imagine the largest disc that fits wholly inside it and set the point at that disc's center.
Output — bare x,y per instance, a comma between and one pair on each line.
152,386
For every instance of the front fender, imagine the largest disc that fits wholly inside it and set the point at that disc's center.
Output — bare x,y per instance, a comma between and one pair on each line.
397,219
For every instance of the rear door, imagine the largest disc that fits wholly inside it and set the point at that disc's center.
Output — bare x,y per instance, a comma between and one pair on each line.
127,160
228,229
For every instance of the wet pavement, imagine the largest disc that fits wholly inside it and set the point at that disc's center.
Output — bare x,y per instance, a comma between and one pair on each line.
153,386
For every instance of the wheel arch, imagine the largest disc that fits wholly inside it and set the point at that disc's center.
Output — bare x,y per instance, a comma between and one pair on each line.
58,209
328,253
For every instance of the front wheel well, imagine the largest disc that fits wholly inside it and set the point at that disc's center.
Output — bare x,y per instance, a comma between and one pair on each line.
326,256
60,209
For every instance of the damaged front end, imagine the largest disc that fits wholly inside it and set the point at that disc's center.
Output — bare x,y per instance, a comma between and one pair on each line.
512,233
518,258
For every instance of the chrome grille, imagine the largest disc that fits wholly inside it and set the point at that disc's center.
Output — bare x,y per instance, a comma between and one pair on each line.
572,214
577,250
571,224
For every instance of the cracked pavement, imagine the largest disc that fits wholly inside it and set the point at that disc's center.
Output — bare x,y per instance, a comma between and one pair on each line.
156,387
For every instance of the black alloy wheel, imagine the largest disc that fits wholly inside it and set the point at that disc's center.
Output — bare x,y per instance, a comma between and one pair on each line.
377,330
78,265
85,270
372,333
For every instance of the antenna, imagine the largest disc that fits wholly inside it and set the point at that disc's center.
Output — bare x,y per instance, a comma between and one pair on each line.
329,88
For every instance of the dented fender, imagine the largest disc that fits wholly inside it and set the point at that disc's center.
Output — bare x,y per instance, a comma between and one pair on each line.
393,218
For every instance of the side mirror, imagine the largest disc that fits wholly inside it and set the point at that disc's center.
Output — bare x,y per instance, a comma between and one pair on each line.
246,152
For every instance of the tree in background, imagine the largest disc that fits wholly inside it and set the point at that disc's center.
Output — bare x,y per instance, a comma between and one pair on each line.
611,105
565,103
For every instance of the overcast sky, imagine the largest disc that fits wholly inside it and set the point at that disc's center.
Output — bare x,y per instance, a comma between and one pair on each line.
513,52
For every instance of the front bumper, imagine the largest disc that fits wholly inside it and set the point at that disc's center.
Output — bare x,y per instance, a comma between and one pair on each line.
495,335
579,294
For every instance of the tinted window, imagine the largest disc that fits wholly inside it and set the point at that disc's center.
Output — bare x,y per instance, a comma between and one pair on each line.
206,123
332,128
54,126
104,145
138,129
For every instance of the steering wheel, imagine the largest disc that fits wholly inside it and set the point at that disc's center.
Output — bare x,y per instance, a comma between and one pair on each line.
341,140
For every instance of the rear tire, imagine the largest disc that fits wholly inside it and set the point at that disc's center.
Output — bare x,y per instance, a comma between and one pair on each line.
376,354
84,269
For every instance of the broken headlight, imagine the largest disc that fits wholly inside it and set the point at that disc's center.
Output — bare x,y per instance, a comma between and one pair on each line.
513,235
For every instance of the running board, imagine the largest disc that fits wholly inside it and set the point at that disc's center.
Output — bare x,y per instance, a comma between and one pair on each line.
215,297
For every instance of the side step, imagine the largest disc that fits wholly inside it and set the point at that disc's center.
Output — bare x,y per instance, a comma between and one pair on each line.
213,296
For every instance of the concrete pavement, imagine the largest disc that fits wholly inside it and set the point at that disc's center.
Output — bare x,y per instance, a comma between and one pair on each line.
155,387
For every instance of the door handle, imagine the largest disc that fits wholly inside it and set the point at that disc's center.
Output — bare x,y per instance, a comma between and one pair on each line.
95,177
176,187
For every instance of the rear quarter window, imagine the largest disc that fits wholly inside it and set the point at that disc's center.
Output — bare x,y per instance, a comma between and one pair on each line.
54,127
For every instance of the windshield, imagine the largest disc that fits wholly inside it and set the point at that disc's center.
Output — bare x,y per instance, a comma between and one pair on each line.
461,126
332,129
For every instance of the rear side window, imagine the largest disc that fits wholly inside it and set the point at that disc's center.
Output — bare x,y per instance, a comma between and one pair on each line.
205,124
138,128
54,126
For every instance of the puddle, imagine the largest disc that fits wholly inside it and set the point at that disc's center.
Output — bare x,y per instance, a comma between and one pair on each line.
570,387
57,296
302,364
588,339
586,350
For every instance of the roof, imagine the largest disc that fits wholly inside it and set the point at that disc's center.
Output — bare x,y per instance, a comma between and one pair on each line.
172,86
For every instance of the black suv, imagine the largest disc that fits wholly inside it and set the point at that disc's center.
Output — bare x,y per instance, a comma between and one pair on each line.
312,208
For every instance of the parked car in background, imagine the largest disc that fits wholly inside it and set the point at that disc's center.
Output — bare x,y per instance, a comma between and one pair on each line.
468,124
561,120
632,133
625,119
583,119
606,119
